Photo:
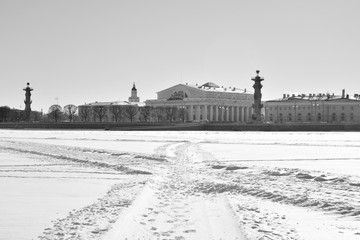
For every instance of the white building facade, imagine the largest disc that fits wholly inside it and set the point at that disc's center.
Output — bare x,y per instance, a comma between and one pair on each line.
208,102
314,108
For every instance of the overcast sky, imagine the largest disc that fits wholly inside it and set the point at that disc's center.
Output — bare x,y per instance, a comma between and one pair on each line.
85,51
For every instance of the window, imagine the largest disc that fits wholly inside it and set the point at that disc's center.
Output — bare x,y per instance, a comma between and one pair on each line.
281,117
352,117
333,117
343,108
290,117
309,117
271,117
343,117
319,117
299,117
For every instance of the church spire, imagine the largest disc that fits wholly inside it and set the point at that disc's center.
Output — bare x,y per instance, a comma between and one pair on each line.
134,97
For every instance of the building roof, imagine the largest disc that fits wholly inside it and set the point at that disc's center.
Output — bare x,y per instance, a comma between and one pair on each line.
212,87
115,103
316,97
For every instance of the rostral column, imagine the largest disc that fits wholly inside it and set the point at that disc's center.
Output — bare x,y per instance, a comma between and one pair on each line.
257,97
27,102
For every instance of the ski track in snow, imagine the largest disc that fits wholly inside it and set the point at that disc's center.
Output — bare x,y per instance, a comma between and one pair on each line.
183,192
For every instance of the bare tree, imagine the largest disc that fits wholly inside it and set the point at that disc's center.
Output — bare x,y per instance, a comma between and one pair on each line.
146,112
158,113
36,116
84,113
117,111
182,113
70,111
170,112
100,112
130,112
4,113
55,112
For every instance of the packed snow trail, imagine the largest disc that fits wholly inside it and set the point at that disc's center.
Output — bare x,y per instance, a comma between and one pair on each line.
167,208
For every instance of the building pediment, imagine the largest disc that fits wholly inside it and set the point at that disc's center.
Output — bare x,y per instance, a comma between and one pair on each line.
179,92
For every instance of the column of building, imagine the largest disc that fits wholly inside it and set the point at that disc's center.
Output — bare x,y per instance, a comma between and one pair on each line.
197,113
205,113
191,113
211,116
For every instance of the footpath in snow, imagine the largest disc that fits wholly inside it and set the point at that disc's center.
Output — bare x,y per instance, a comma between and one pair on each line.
169,208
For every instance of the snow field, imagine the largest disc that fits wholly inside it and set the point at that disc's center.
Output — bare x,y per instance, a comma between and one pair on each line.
193,185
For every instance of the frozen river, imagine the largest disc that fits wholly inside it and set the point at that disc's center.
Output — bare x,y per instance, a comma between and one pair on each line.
179,185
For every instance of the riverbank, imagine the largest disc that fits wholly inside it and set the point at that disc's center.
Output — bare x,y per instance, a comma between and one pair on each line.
185,126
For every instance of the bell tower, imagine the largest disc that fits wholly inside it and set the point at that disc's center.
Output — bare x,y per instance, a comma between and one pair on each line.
27,102
134,97
257,96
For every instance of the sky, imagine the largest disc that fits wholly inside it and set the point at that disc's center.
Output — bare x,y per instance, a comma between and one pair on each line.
76,52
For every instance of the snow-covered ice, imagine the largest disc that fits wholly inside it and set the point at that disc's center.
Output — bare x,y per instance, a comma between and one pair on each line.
179,185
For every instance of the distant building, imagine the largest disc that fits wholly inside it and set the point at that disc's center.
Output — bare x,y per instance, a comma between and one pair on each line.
311,108
116,111
208,102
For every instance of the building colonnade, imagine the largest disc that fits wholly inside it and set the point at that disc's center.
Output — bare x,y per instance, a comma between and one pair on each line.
217,113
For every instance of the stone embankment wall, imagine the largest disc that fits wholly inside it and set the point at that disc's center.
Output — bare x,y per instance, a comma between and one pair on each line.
182,126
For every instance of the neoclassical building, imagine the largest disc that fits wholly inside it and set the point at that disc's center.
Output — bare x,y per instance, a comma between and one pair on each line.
207,102
310,108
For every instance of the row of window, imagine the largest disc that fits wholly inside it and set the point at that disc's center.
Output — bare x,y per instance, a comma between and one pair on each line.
308,108
309,117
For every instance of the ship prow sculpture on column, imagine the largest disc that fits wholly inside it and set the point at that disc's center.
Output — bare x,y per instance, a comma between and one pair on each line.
27,102
257,97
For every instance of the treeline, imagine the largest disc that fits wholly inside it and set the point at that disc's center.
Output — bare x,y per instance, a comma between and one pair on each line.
8,114
85,113
55,114
131,113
